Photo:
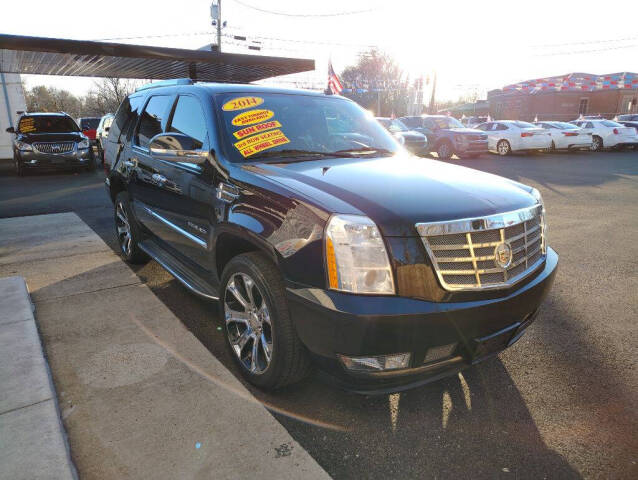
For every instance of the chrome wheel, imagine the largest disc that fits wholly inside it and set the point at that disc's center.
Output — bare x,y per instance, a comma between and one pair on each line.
503,147
123,229
444,151
248,323
596,144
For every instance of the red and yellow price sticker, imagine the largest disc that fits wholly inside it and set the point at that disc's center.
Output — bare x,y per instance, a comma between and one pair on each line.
258,143
262,127
242,103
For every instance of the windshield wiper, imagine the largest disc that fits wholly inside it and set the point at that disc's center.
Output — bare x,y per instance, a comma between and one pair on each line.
364,150
293,153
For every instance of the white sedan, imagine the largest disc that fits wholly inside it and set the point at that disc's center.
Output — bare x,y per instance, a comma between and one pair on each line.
607,133
505,136
566,135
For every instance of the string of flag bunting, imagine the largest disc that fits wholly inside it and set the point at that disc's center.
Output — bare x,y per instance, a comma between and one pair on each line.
577,82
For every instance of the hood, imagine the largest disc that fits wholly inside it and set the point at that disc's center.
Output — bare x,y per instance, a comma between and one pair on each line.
411,135
464,130
51,137
397,192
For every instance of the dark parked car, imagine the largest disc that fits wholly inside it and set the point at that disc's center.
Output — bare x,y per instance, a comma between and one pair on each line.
321,238
89,127
447,136
415,142
49,141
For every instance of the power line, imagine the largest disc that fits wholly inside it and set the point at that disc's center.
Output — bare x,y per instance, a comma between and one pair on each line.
162,35
586,42
578,52
305,15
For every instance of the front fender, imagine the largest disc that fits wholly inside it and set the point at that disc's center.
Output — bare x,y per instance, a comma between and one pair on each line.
289,230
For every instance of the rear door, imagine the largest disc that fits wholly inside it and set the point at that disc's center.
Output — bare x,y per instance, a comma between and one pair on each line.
145,188
188,189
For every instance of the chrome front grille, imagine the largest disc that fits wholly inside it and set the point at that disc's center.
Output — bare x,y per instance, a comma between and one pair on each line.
487,252
54,147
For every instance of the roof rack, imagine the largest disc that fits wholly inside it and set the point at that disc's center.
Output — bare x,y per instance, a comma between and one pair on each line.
165,83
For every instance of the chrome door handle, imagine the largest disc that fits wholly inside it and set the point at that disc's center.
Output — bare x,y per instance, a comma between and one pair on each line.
129,164
157,178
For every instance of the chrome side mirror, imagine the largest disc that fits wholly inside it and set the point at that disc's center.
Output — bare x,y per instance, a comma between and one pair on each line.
177,147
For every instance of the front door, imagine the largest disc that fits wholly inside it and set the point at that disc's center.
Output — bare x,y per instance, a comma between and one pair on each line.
189,190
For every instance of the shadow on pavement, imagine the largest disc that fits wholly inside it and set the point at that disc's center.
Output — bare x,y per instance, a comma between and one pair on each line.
476,422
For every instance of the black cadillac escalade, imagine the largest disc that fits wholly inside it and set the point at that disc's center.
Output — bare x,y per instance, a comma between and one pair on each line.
324,241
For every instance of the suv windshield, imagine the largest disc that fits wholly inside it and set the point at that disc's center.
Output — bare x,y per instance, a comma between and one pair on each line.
89,123
270,125
447,122
47,124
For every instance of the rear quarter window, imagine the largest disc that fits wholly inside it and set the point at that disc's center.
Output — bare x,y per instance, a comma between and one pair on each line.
125,118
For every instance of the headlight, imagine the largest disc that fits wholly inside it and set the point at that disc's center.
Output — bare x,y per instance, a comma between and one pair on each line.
356,258
84,143
539,199
23,147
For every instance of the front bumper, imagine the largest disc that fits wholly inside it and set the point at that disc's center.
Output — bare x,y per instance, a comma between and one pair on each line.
35,159
472,147
330,323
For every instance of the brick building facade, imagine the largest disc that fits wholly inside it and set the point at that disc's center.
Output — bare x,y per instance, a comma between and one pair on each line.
567,97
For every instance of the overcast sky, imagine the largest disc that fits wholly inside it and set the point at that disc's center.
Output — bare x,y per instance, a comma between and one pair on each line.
471,44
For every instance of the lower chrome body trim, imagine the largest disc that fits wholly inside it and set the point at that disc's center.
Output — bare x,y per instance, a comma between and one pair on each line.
179,230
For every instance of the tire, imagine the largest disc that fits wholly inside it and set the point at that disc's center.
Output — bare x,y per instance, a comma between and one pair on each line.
100,153
597,143
552,147
289,361
92,164
503,148
125,224
18,165
444,151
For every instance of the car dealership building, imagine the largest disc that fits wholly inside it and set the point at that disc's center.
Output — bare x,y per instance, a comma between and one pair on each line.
566,97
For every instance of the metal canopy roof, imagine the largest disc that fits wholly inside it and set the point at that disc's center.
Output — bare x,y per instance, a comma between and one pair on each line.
55,56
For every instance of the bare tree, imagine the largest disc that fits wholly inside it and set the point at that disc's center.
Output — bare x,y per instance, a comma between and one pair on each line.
107,94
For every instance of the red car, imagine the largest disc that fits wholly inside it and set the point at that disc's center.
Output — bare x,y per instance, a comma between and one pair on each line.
88,125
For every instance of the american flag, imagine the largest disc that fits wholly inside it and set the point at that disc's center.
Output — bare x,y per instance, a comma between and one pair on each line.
334,84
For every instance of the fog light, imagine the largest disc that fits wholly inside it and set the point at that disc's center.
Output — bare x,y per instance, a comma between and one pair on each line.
377,363
32,162
439,353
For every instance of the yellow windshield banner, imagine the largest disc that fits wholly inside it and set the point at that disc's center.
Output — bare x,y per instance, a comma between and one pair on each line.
261,142
242,103
27,125
251,117
262,127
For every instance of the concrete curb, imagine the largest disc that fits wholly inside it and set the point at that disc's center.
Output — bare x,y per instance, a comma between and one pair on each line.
33,443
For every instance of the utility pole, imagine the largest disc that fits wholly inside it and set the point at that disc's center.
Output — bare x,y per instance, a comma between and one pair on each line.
216,14
432,98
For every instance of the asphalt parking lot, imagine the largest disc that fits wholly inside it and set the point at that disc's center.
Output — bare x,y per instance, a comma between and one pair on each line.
561,403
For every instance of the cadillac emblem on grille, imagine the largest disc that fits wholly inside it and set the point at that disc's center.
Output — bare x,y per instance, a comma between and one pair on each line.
503,255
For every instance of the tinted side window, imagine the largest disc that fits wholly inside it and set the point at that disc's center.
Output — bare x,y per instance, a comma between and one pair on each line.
151,121
125,118
412,122
188,119
589,125
482,126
